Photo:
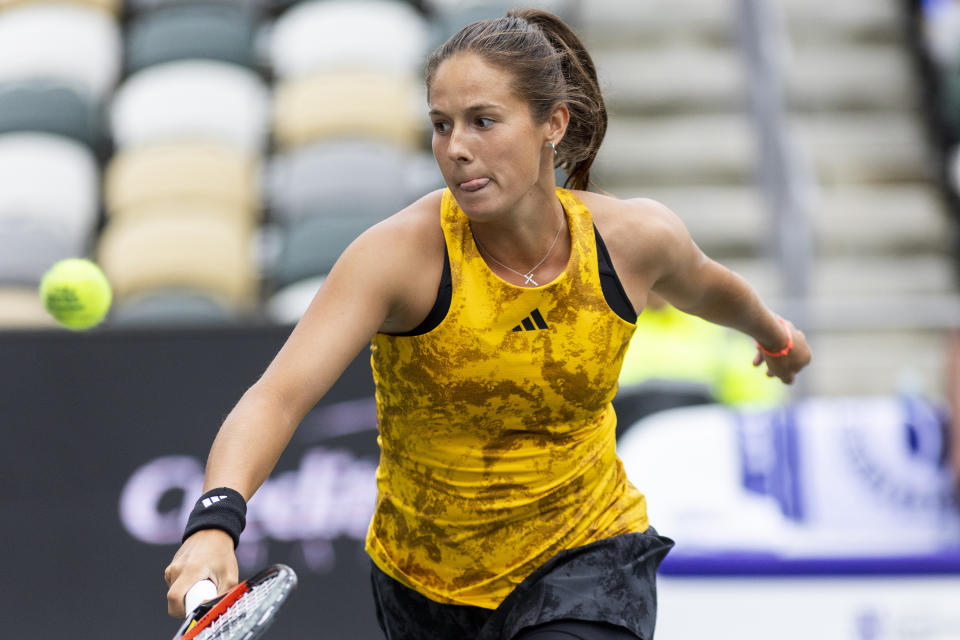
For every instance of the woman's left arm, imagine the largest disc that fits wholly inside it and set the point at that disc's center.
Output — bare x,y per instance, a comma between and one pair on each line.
691,281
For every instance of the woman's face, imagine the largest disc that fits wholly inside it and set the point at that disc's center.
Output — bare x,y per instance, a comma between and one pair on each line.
489,149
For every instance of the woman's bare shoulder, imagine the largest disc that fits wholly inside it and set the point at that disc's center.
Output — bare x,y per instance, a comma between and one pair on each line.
631,221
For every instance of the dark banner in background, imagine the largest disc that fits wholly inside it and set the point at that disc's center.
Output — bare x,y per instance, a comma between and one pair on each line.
104,440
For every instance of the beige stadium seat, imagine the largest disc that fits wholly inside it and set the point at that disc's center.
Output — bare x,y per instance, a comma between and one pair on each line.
243,216
347,105
112,7
219,176
204,253
21,308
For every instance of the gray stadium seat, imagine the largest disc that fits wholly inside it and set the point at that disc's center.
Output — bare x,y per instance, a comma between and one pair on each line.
338,176
29,246
172,307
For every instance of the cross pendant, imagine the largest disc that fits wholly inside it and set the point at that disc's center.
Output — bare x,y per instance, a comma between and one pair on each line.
530,280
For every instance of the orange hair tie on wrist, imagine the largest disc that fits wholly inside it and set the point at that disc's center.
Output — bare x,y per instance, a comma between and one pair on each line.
786,350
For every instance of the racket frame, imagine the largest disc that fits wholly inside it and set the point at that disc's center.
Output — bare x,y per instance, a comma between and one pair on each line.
193,625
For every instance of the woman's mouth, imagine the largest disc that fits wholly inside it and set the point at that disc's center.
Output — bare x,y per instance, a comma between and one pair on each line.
474,185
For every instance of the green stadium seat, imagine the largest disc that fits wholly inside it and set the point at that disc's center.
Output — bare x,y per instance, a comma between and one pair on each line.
200,30
311,246
51,108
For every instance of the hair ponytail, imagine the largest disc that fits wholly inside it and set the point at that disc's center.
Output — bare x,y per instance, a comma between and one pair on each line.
550,66
588,113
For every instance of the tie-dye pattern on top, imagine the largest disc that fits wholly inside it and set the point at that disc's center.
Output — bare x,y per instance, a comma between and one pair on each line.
497,434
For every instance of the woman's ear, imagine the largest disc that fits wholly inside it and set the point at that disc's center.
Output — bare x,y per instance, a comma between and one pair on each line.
557,123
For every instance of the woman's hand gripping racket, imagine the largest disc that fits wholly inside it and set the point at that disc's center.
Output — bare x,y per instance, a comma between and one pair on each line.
243,613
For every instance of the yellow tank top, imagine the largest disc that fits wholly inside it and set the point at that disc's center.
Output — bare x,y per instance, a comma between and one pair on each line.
496,430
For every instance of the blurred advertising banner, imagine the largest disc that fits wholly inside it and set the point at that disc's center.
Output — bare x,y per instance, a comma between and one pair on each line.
831,519
826,517
104,440
801,607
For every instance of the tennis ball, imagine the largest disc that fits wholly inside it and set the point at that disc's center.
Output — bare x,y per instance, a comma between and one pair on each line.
76,293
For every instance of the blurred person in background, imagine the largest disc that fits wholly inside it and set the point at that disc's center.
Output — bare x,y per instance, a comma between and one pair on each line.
499,311
676,360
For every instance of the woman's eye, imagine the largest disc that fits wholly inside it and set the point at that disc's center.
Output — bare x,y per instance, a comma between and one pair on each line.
483,123
440,127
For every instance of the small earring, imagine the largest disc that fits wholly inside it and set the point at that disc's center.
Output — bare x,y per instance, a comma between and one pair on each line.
555,154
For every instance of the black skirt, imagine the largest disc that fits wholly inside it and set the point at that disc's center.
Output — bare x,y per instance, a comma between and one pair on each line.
611,580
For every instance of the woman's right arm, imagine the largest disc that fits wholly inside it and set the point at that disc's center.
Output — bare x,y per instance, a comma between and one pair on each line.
369,288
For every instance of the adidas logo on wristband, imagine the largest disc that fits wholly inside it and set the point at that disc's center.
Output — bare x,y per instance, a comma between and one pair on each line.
206,502
221,508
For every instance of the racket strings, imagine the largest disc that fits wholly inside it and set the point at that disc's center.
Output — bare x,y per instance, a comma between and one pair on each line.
239,616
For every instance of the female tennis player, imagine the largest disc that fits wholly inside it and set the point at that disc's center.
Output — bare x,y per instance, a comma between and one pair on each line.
499,310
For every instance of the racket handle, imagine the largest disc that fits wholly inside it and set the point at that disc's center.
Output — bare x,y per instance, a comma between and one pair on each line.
198,594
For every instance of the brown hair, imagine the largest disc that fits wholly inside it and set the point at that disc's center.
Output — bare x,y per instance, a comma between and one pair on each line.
550,65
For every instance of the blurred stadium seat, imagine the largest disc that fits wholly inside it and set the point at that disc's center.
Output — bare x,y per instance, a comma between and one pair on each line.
30,163
177,172
192,100
110,6
381,36
71,43
160,119
50,107
200,30
203,253
326,178
343,104
20,308
288,304
173,307
312,245
138,7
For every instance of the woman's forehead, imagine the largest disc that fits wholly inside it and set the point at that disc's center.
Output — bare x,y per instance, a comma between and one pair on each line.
466,79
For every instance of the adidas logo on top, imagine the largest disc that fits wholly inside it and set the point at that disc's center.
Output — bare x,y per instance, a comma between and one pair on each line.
207,502
533,322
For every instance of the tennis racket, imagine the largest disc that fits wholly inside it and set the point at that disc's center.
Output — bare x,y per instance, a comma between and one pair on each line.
243,613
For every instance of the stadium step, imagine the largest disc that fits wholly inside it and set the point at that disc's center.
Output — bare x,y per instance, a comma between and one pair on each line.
844,77
681,133
865,147
657,80
889,220
654,22
848,21
715,148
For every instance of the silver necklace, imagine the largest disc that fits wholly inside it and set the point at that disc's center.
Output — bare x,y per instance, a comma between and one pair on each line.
528,276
